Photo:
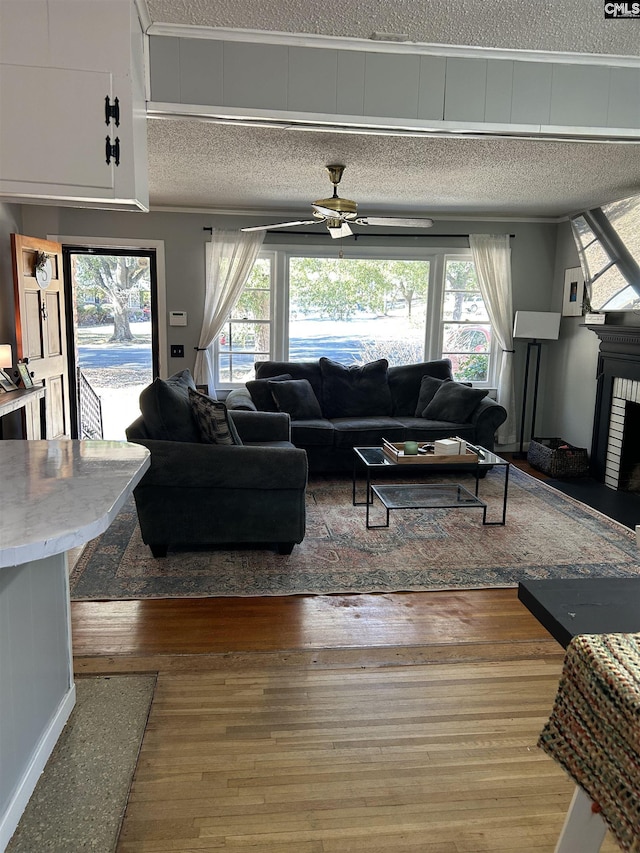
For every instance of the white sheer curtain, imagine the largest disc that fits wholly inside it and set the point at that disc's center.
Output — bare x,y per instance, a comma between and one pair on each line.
229,260
492,259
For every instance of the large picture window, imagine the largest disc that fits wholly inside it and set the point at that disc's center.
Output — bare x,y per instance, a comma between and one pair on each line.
357,309
301,306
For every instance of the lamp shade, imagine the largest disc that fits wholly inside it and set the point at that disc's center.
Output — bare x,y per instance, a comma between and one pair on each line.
6,358
537,324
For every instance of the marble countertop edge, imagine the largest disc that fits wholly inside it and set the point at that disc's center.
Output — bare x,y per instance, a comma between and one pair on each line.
71,529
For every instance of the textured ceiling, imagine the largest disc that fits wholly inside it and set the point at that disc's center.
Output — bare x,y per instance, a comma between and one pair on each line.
275,171
568,25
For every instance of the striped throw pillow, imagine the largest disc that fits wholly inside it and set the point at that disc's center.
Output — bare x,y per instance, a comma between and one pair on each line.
212,419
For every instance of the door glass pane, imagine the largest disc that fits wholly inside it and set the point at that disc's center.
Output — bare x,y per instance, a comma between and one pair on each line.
112,295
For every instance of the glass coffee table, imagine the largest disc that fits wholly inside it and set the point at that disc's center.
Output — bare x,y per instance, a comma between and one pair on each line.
373,461
424,496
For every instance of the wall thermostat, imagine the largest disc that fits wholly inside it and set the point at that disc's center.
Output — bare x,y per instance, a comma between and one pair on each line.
177,318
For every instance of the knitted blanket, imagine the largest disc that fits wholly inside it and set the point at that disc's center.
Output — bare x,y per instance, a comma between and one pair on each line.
594,728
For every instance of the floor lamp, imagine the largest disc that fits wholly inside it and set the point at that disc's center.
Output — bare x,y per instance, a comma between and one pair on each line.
537,325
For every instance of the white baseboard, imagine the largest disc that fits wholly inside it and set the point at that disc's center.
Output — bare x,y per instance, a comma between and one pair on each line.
26,786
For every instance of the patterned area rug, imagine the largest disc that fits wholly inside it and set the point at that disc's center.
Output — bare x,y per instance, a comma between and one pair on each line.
547,535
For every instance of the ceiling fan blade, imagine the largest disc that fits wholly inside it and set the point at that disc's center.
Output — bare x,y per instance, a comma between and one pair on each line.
281,225
343,231
393,221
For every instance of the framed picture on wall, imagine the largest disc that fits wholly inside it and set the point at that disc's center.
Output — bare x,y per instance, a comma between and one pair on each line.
573,292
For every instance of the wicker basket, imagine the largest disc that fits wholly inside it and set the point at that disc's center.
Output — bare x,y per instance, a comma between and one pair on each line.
558,458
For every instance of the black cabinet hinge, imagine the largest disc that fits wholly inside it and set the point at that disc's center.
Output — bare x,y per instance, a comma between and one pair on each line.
112,111
112,150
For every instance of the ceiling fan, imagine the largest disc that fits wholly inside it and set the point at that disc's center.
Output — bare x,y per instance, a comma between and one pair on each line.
338,212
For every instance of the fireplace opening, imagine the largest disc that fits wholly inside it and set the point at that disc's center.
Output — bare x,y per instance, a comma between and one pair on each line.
629,480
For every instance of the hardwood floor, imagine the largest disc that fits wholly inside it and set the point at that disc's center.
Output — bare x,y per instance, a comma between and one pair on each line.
382,723
121,629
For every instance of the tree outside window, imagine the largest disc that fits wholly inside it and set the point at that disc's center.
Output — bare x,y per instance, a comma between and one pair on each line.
112,289
357,309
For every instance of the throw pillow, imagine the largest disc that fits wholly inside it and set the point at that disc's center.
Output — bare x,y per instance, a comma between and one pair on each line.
428,387
454,402
296,396
212,419
355,392
166,409
261,393
404,382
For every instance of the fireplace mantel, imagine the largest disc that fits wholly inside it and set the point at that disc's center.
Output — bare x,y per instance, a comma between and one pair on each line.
619,357
627,337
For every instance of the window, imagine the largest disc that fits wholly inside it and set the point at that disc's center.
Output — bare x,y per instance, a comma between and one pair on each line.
383,305
466,331
246,336
357,309
608,242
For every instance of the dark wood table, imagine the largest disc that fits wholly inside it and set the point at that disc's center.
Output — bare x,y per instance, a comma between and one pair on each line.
583,606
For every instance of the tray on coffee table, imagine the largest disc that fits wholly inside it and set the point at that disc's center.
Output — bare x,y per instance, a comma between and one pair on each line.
395,452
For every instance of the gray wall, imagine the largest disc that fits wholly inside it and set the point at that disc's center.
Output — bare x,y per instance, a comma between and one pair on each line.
570,380
10,222
536,274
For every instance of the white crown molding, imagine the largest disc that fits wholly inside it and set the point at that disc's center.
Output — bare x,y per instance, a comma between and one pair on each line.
374,46
143,14
373,126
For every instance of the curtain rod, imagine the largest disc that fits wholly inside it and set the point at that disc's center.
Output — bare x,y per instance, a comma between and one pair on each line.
356,237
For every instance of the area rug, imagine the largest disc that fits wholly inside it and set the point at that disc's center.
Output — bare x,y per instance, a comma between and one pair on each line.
547,535
80,799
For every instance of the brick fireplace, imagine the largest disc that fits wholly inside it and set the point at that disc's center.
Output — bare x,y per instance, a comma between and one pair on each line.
614,458
622,457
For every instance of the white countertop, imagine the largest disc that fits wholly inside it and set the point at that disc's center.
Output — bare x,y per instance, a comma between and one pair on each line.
56,495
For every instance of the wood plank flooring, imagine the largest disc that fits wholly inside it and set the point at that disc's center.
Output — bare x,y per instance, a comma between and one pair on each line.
436,758
328,724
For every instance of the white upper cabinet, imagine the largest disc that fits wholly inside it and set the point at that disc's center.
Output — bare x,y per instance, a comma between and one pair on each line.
59,62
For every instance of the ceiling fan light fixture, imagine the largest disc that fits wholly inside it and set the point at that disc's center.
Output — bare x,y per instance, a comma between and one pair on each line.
337,228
